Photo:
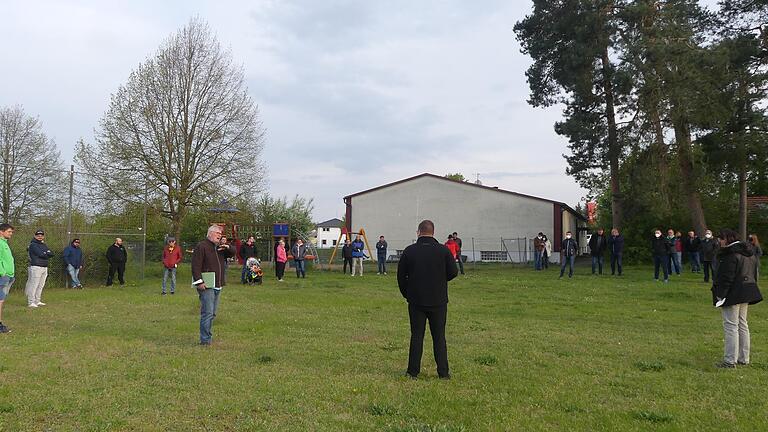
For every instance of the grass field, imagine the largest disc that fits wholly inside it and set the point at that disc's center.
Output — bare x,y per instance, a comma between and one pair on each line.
527,352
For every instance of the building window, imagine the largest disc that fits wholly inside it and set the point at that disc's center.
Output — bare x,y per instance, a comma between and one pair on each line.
326,229
334,242
325,242
493,256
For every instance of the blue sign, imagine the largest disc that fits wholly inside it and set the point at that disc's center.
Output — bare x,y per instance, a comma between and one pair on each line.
281,230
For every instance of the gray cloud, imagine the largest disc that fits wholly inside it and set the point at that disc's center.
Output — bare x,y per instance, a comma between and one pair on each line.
353,94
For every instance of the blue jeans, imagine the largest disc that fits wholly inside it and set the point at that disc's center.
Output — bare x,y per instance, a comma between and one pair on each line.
382,260
537,259
673,262
73,274
615,260
209,302
569,261
5,286
301,268
695,263
658,261
597,260
172,273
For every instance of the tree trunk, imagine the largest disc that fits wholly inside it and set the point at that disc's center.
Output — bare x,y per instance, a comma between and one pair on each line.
689,178
743,202
659,156
614,152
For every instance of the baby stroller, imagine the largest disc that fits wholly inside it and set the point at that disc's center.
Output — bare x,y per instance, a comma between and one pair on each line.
254,276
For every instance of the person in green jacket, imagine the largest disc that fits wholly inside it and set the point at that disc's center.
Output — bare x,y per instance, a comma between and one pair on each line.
6,269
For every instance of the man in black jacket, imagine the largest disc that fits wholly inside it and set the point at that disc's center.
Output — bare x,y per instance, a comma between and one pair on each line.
597,245
692,246
381,255
116,257
616,248
423,273
39,254
568,251
709,249
346,253
209,257
661,249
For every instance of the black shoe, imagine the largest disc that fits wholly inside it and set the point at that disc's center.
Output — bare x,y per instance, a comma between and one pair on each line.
173,292
413,377
724,365
163,293
742,363
445,377
4,329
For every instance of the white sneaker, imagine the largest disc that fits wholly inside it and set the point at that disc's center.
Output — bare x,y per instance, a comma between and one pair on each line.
279,280
32,305
40,304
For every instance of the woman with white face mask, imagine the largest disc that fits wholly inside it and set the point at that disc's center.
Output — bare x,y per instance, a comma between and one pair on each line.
660,248
709,248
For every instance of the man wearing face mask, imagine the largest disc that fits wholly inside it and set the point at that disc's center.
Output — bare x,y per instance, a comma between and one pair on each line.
616,247
568,253
709,247
661,249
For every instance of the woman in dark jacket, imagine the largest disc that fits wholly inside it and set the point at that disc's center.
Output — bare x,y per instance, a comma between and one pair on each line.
735,288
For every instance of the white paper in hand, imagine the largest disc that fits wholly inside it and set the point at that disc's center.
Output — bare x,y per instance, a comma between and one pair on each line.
720,302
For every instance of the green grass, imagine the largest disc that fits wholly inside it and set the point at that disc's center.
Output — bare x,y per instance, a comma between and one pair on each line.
527,352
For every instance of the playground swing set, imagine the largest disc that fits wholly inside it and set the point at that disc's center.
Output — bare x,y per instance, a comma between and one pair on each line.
348,233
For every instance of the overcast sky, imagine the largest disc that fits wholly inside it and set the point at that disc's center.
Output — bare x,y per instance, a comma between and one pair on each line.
353,94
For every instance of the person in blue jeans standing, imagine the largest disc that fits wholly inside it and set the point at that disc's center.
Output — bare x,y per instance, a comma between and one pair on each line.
538,250
358,254
299,252
568,252
616,248
597,246
692,246
73,259
208,260
381,255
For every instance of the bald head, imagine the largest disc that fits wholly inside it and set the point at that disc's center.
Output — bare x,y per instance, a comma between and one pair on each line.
426,228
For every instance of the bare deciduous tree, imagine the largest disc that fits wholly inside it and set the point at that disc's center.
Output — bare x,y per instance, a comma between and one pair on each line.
31,168
182,130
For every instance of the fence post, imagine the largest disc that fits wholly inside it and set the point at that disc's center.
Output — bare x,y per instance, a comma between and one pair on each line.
69,214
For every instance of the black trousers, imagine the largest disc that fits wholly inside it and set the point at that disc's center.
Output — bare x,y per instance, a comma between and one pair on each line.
707,269
279,269
120,268
437,317
347,261
460,263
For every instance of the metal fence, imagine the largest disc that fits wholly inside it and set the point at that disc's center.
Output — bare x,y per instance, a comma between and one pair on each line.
514,250
70,211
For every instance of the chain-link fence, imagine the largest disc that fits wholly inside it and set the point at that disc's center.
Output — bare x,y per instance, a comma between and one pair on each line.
69,211
514,250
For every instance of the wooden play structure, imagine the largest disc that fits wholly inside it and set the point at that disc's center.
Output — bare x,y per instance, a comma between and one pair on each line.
349,234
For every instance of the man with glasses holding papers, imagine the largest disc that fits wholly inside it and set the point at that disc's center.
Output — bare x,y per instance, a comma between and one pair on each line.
208,274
